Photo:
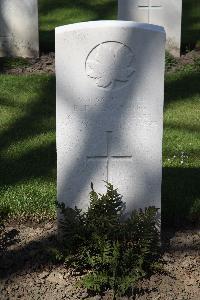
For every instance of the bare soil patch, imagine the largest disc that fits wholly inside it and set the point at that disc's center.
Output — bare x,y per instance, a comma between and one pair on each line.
46,64
189,58
28,270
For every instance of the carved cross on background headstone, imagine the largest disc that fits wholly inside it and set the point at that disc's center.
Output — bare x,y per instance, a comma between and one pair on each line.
108,157
150,7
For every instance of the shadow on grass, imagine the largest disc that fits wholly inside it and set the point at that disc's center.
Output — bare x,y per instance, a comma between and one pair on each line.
190,24
38,119
180,186
91,10
106,9
181,86
102,8
180,189
47,41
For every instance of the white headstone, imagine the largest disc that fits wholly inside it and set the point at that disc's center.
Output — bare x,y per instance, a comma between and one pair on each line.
19,28
110,85
166,13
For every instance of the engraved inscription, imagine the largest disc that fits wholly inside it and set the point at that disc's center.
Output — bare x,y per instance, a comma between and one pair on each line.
110,65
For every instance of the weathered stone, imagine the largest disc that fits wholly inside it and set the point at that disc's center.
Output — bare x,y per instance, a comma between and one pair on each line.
110,86
166,13
19,28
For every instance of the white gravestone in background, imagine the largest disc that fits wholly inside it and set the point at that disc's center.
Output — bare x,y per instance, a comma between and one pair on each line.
19,28
166,13
110,84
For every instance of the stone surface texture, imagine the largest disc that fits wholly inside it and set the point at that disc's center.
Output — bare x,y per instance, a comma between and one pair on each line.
166,13
19,28
110,85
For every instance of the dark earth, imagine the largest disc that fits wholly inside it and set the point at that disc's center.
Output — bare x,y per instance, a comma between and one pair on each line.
46,64
28,269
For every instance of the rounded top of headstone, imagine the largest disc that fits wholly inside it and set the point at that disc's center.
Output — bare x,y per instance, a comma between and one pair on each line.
109,23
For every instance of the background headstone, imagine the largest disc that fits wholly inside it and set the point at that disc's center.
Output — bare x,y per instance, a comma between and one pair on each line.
166,13
19,28
110,86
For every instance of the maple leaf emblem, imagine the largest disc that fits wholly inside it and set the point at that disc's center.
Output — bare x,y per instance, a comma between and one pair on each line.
109,63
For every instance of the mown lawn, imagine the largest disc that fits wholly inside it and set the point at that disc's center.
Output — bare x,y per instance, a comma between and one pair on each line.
191,23
61,12
28,152
181,147
53,13
27,143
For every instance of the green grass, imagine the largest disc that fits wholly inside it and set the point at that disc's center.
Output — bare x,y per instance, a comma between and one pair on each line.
53,13
191,23
181,146
62,12
27,143
17,62
28,153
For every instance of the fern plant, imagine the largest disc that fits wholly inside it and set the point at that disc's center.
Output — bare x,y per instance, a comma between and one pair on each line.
116,251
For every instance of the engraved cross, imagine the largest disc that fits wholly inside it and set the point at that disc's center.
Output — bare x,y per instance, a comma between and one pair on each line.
108,156
150,7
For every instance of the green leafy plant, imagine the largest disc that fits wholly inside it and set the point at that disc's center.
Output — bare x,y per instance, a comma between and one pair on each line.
115,251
